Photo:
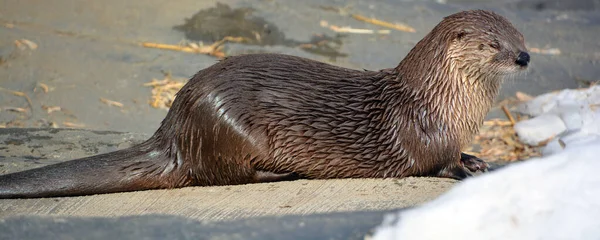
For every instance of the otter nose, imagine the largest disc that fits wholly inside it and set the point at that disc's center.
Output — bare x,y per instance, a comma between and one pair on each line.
522,59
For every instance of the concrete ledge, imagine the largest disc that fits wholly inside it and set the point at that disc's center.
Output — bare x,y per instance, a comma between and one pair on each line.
28,148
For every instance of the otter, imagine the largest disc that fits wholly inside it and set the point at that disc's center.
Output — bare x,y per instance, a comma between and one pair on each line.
272,117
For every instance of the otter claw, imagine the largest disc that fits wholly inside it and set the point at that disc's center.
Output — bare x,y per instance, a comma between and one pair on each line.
468,165
473,163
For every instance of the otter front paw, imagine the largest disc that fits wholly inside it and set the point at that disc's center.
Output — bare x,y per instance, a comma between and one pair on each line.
473,163
454,171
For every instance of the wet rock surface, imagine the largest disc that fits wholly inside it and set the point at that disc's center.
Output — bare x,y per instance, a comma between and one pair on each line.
23,149
87,51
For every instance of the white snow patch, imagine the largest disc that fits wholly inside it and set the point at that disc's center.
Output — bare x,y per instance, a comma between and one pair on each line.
554,197
560,115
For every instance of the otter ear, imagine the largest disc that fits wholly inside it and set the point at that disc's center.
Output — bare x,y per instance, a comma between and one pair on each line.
462,33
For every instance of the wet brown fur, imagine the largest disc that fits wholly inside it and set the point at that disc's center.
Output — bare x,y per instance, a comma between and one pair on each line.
268,117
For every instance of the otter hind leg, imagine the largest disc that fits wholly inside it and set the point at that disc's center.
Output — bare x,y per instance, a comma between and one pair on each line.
264,176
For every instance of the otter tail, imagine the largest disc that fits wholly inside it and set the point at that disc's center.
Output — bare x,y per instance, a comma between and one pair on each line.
140,167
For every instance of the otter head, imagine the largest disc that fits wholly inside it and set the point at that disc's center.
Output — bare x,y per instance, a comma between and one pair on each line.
469,47
458,67
482,43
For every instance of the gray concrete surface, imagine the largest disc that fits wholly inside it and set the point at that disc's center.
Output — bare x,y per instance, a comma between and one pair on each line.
29,148
342,226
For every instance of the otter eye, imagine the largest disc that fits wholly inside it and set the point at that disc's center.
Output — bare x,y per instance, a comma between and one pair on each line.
463,32
481,46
